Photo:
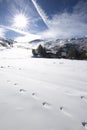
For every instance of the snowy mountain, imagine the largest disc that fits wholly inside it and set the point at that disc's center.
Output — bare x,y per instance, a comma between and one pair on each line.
6,42
75,48
81,42
36,41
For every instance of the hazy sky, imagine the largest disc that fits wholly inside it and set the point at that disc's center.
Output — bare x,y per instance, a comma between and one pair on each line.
30,19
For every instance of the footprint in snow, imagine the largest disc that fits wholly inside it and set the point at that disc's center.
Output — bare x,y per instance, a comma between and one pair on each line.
84,124
34,95
22,90
1,66
84,98
64,111
15,84
46,104
61,108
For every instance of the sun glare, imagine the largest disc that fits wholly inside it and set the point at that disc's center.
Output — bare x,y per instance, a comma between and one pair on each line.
20,21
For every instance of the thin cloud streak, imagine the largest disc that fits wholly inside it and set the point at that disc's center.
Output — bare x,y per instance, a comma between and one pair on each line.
26,35
65,25
20,7
13,29
27,38
41,13
17,7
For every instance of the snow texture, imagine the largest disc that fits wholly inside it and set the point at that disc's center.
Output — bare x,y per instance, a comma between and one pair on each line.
41,94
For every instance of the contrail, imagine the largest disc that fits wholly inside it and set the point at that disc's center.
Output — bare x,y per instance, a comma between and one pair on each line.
41,13
14,29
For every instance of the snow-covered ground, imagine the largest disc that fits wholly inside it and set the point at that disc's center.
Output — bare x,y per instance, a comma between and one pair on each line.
41,94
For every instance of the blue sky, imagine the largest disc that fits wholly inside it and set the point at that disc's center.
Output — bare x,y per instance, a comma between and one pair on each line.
45,19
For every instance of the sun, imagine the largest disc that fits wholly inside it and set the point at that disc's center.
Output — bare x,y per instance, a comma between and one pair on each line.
20,21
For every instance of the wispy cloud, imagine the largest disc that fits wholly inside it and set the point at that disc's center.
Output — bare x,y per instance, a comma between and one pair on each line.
14,8
65,25
27,38
61,25
26,35
27,9
4,28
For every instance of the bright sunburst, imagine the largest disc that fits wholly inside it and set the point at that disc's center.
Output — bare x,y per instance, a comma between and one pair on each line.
20,21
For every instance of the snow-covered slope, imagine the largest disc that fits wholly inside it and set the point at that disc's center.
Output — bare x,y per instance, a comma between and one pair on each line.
41,94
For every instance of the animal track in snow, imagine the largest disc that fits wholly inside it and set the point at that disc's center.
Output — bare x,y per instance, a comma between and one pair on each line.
62,109
46,104
22,90
2,67
84,98
84,124
34,95
15,84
